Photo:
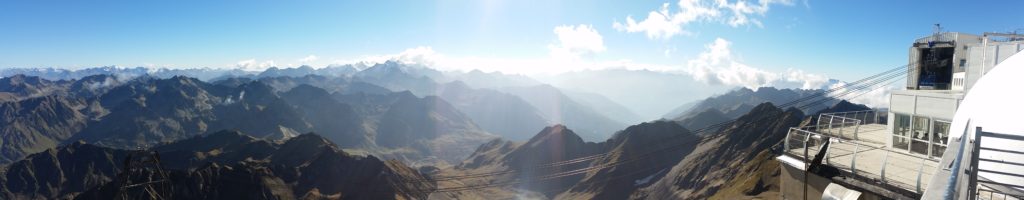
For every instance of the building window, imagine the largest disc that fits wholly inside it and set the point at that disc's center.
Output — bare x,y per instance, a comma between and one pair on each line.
901,132
940,136
919,136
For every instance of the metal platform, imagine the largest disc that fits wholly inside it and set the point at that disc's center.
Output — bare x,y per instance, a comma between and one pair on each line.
861,150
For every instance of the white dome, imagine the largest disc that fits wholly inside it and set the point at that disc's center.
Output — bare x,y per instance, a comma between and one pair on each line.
996,103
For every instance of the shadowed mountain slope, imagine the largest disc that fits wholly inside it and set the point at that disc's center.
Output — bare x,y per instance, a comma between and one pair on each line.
222,165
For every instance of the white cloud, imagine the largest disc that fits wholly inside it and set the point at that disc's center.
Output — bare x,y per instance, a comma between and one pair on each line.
253,65
426,56
663,23
803,80
742,11
422,55
877,97
717,66
576,41
669,51
419,55
308,59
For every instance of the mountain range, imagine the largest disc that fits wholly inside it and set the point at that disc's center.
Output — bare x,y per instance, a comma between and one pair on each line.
384,131
221,165
735,103
147,111
655,160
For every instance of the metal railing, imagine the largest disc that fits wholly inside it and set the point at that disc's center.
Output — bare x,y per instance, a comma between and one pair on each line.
845,151
992,186
845,125
797,139
965,178
853,153
865,116
841,128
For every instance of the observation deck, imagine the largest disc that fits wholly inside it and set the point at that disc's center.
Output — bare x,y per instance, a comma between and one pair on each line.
859,146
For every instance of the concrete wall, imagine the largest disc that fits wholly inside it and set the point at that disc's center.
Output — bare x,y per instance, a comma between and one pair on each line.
792,184
986,58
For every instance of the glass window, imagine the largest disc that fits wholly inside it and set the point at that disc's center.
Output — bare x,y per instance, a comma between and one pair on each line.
940,136
919,135
901,132
900,143
902,125
920,128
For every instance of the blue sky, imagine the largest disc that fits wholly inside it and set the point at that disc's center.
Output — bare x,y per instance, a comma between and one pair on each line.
836,39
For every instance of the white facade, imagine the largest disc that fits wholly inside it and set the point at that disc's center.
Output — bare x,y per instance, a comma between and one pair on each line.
920,116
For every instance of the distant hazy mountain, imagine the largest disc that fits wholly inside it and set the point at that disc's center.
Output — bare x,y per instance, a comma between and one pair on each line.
430,127
293,72
605,106
493,80
222,165
68,74
501,113
559,108
205,74
647,93
739,102
396,76
494,111
679,110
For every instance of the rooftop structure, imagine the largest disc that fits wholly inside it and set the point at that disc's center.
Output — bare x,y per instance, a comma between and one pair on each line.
906,151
